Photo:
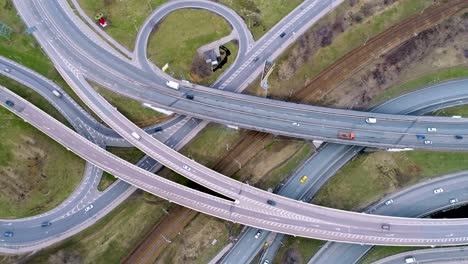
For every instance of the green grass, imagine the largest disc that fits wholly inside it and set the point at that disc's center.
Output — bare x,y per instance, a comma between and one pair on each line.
343,43
111,239
372,175
454,111
261,15
131,155
130,108
306,248
381,252
106,181
283,171
180,34
420,82
47,173
125,17
211,143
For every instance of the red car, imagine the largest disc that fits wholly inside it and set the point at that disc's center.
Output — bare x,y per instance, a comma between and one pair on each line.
345,135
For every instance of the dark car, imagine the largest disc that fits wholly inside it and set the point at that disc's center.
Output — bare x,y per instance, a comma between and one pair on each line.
386,227
8,234
10,103
157,129
46,223
458,136
256,59
282,34
189,96
420,136
271,202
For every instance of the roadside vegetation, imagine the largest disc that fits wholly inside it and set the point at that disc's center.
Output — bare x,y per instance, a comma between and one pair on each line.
47,173
132,109
110,239
348,26
379,252
259,15
298,250
421,82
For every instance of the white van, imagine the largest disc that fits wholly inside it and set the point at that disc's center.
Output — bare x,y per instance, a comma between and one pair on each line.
371,120
172,85
57,93
410,260
135,135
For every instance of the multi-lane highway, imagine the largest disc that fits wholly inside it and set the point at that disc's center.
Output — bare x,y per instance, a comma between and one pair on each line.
331,157
32,235
77,51
70,53
410,202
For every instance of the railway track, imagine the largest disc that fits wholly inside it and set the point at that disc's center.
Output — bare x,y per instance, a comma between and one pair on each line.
166,230
253,141
353,61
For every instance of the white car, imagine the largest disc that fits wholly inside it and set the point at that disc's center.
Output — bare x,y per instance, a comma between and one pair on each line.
89,207
186,167
438,190
389,202
371,120
427,142
410,260
7,70
257,235
431,129
453,200
295,124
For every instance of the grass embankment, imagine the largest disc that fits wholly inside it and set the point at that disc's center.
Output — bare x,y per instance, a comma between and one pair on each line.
37,173
293,75
125,17
305,247
259,15
421,82
180,34
109,240
132,109
373,175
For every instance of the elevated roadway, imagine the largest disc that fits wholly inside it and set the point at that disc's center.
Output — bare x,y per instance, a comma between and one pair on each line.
332,157
288,215
74,48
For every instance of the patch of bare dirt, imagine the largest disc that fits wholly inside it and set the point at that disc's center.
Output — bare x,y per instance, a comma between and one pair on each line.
292,256
18,182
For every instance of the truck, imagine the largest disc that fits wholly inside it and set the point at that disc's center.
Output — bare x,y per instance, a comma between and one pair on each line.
57,93
172,85
135,135
346,135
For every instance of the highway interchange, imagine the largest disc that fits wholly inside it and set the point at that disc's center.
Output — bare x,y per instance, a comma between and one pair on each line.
73,76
